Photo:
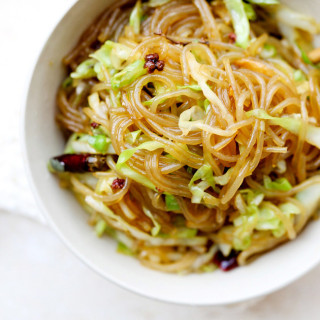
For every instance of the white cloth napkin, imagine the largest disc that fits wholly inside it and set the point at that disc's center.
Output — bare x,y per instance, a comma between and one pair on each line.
23,33
16,196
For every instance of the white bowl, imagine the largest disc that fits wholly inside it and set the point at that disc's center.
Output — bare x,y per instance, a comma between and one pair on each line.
43,140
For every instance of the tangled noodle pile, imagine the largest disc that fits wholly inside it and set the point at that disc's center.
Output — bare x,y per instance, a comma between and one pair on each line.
193,129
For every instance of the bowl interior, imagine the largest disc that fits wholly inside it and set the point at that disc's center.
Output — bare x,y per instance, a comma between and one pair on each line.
42,140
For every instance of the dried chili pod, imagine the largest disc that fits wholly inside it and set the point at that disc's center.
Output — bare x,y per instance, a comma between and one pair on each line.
78,163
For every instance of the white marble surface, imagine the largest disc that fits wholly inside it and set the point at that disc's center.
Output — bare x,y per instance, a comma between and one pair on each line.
39,277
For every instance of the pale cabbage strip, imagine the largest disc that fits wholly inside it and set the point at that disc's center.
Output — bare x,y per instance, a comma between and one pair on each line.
240,21
193,120
195,71
291,124
100,207
167,95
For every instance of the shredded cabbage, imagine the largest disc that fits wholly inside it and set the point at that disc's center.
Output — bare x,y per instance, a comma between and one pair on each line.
125,244
100,228
103,55
193,120
126,171
289,208
181,230
225,249
257,215
85,143
189,170
281,184
194,87
123,168
299,76
264,2
122,248
99,107
267,220
206,105
159,87
150,101
99,71
128,75
100,143
99,130
252,197
67,82
135,17
171,202
185,233
207,268
240,21
190,119
291,124
160,90
100,207
157,227
128,153
247,220
245,225
198,190
310,198
224,179
305,57
268,51
281,167
104,183
157,3
132,136
197,75
112,55
85,70
207,178
249,10
69,148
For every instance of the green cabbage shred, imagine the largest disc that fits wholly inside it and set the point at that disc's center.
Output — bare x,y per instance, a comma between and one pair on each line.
291,124
240,21
100,228
171,202
122,248
281,184
128,75
85,70
136,17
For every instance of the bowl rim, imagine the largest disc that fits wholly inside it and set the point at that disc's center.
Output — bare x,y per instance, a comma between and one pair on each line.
45,212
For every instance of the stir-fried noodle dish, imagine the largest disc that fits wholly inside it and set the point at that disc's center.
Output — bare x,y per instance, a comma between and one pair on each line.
193,129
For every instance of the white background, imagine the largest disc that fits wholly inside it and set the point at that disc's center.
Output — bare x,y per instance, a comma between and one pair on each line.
39,277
